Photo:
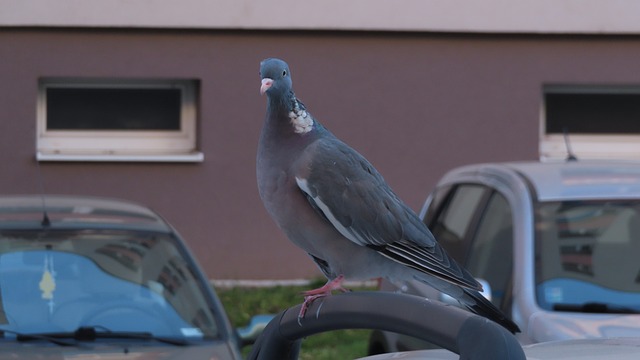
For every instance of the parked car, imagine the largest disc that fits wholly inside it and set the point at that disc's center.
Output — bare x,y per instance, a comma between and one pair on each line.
98,278
580,349
556,245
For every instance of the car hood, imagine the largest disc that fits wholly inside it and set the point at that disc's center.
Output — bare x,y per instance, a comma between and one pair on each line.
129,351
551,326
587,349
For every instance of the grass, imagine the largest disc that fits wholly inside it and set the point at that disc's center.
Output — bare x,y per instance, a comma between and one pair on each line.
242,303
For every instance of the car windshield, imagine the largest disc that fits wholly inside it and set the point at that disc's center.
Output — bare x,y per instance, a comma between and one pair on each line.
587,256
59,281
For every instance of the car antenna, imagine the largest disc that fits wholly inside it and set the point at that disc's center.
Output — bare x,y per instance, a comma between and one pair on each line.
46,222
570,155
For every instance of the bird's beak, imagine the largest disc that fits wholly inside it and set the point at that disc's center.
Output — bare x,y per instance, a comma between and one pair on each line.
266,84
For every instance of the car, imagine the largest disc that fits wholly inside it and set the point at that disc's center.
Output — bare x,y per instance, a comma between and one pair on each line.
89,277
555,244
626,348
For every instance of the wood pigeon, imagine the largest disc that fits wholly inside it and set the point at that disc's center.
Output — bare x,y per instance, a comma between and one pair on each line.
331,202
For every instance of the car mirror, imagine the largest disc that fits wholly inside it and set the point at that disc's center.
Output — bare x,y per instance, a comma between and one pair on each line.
248,334
486,292
486,288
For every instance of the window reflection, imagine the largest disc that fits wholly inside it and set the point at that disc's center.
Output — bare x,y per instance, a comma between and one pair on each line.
587,251
121,280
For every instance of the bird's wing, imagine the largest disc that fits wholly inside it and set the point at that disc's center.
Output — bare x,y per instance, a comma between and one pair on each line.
348,191
354,197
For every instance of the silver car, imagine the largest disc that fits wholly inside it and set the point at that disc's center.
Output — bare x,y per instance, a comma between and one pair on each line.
98,278
557,246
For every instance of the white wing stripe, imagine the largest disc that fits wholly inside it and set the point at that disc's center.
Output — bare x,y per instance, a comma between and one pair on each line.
346,232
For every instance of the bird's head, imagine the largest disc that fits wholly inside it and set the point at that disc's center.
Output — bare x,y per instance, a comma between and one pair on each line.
275,75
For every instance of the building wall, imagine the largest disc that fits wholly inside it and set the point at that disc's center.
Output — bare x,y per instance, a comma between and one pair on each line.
415,104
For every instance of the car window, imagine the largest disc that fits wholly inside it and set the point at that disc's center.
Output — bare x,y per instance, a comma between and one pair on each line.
116,280
491,254
455,217
437,197
587,254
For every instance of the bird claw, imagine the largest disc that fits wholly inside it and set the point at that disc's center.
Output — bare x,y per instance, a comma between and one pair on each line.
308,299
324,291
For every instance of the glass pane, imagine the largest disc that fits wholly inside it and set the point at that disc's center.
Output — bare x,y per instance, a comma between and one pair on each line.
438,197
587,253
461,209
491,255
113,109
453,222
592,113
115,280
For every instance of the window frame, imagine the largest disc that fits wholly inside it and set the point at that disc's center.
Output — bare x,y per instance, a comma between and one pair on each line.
120,145
553,146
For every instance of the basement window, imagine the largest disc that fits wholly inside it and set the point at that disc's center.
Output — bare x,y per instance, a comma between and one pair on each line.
594,122
117,120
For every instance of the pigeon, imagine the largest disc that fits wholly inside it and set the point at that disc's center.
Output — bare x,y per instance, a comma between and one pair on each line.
331,202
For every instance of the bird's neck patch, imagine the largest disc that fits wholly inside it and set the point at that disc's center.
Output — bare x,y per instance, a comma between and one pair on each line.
300,119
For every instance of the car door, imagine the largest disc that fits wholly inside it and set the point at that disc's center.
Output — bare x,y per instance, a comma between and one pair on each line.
474,223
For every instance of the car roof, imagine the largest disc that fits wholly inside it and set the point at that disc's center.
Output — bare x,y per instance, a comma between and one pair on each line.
77,212
567,180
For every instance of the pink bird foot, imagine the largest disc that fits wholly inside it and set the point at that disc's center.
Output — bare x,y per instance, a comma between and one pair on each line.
311,295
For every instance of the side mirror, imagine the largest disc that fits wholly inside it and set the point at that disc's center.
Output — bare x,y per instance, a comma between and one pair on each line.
486,292
248,334
486,289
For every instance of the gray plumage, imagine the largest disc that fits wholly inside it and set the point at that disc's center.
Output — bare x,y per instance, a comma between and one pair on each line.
331,202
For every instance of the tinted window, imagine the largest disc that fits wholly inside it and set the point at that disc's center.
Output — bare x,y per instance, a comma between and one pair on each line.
109,119
457,214
601,121
437,197
491,254
592,112
113,109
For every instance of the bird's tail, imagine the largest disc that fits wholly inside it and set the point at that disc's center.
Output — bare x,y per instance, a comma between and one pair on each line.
478,304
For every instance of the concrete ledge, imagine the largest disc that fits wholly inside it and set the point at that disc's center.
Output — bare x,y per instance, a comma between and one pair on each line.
492,16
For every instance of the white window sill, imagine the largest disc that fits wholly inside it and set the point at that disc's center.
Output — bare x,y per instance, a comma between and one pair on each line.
194,157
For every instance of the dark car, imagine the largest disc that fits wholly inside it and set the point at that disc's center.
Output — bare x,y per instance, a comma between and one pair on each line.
96,278
556,245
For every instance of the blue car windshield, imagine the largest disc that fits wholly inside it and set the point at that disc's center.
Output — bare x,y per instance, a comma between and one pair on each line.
114,281
587,256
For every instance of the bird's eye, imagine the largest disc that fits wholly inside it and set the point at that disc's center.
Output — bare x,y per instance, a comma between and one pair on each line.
284,73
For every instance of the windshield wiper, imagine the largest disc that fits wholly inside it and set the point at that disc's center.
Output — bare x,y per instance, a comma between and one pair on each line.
45,337
596,307
91,333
